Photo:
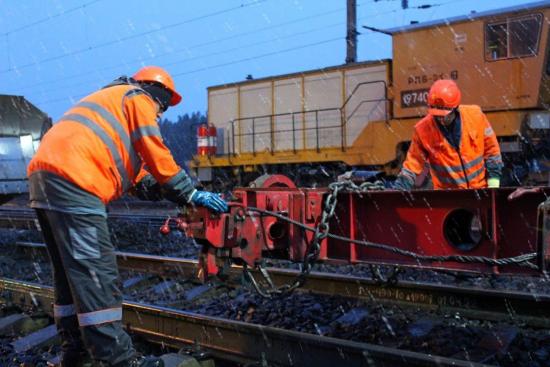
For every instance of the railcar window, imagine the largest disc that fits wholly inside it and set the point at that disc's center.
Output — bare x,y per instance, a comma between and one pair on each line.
515,37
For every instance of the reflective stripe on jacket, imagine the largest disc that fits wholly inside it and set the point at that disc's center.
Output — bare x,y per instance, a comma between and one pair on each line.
449,169
102,143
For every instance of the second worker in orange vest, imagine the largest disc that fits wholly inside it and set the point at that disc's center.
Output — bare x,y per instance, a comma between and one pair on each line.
457,141
105,145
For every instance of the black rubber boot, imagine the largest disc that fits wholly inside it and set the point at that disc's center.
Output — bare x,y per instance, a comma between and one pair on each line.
73,353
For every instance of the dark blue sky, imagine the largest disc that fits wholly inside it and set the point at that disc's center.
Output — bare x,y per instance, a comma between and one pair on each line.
56,51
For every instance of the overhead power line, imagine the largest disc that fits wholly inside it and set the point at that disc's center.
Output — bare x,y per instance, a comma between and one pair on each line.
315,16
123,39
75,97
428,6
260,56
186,49
234,49
241,47
50,17
405,4
214,66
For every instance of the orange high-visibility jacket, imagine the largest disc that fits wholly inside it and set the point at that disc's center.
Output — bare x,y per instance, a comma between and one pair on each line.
449,169
103,142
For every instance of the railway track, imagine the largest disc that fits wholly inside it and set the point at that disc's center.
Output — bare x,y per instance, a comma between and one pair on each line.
530,308
236,341
243,342
24,218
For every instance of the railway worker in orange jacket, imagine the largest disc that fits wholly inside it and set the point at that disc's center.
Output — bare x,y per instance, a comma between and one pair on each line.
106,144
456,141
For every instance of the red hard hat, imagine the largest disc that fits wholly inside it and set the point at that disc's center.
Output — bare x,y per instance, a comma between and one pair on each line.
444,95
159,75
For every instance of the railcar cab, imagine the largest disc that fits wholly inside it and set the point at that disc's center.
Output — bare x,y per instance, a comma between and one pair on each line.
498,58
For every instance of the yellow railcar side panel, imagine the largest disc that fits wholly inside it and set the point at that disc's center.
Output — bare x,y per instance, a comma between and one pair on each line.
255,102
288,99
222,108
289,102
376,145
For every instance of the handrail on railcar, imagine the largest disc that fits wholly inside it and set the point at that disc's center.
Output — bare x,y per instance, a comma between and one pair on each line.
340,110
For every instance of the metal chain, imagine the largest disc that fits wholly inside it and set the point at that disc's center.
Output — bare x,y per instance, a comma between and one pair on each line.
323,228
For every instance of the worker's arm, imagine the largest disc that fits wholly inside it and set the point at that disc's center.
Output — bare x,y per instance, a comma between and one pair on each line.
491,154
145,134
146,187
413,165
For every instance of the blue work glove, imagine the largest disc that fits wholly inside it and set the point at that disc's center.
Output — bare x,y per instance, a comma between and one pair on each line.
402,183
209,200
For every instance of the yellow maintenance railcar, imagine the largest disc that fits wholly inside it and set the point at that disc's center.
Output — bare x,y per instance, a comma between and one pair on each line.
320,123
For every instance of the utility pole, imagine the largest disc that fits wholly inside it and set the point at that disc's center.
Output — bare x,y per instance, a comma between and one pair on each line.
351,37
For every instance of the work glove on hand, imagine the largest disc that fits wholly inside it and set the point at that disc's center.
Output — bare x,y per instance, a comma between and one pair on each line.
209,200
402,184
147,189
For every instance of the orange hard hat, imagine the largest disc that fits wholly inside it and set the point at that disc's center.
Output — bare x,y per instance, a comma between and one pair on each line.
157,74
443,97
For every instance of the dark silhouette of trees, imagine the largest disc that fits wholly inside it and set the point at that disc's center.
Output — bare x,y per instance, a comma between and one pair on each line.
181,136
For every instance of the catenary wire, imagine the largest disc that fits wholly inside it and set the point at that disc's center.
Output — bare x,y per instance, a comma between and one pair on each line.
208,43
245,46
50,17
188,48
74,97
133,36
215,66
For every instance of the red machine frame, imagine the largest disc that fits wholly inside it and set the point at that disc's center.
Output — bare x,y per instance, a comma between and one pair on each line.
485,231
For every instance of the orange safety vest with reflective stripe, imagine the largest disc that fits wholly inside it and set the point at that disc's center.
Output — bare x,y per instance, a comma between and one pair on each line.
103,142
451,169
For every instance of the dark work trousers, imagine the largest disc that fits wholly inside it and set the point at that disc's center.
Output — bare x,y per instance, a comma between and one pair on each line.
88,299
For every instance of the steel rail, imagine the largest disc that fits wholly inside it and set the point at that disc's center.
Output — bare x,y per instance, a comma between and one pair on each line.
26,218
25,213
532,309
238,341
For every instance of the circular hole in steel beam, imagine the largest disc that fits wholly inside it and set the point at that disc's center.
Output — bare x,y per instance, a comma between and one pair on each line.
276,231
463,229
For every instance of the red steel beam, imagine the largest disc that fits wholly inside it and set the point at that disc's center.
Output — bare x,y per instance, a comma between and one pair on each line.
491,223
